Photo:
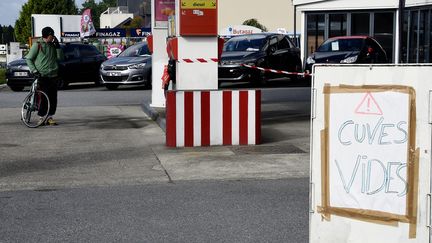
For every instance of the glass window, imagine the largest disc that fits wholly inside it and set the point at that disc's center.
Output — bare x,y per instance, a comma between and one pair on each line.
70,52
338,24
246,43
412,49
430,36
315,32
360,23
341,45
283,43
416,46
135,51
383,31
423,46
87,50
144,50
404,50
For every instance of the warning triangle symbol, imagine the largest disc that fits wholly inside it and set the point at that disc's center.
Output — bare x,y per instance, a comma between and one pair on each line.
368,106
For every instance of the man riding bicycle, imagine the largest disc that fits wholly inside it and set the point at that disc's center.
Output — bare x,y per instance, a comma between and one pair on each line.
42,61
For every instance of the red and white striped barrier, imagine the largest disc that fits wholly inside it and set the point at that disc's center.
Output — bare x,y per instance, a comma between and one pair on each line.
276,71
205,118
198,60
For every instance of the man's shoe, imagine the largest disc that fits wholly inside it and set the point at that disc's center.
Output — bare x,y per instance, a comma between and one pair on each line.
50,121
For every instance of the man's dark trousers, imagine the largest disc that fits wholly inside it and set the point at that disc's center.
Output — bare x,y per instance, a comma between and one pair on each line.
49,86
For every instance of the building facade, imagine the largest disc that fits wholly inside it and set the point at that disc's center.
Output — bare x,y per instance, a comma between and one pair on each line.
273,14
402,27
279,15
140,8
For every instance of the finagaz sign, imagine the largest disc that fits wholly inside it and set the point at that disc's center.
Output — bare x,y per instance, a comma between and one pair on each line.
140,32
110,33
70,34
369,159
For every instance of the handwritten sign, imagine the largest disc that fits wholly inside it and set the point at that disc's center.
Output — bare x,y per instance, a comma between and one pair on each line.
368,150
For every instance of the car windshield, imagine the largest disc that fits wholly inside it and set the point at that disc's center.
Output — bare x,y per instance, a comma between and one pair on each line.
334,45
135,51
245,43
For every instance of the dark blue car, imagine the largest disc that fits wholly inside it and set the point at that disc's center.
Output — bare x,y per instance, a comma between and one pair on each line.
81,63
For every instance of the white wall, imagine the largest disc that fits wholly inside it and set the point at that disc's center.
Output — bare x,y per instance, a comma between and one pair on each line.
15,52
65,23
272,14
71,23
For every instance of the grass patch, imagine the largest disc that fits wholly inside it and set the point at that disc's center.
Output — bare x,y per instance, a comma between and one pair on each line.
2,75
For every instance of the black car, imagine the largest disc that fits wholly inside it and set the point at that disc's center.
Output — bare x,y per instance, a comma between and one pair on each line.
348,49
265,50
81,63
18,75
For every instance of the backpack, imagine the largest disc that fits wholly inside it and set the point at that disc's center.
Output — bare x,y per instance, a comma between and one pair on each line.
40,48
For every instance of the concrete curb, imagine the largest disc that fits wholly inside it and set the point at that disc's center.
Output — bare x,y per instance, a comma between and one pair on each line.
154,115
2,86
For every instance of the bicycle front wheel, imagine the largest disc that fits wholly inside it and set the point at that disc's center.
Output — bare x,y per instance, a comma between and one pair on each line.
34,111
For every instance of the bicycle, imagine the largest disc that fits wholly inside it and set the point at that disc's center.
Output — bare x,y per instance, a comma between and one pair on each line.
32,105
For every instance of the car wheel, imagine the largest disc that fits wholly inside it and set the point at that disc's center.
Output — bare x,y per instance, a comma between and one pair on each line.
261,80
98,81
61,84
111,86
17,88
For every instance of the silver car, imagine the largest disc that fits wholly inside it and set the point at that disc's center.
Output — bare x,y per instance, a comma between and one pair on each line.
132,66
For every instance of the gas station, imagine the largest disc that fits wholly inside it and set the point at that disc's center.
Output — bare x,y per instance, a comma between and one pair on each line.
197,113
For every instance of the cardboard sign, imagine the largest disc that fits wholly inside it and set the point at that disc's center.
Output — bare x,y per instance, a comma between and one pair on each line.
369,152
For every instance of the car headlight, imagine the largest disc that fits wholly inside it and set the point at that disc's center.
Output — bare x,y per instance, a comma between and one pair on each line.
310,60
349,60
137,66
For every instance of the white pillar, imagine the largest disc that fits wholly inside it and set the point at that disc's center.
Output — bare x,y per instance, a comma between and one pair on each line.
201,71
197,75
159,59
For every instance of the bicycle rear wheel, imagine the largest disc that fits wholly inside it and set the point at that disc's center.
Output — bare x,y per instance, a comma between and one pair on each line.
32,104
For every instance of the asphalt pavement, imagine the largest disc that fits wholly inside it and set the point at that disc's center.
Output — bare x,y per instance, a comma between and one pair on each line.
104,174
107,145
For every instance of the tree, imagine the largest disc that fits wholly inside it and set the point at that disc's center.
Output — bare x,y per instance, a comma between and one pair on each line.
23,23
6,34
136,22
255,23
97,9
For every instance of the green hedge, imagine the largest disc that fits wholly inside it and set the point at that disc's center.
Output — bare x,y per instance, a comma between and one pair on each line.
2,76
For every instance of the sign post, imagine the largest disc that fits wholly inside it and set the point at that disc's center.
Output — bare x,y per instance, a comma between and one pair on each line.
370,166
